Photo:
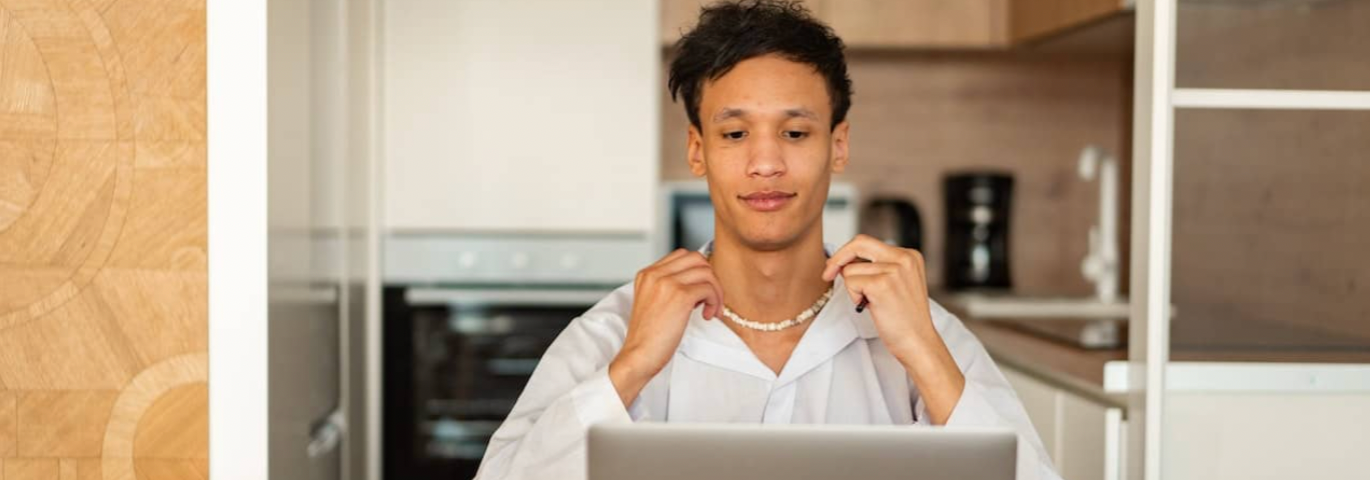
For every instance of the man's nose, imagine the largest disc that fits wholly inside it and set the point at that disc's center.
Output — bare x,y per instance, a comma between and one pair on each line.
766,158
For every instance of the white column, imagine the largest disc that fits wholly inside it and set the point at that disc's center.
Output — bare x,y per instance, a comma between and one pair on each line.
236,39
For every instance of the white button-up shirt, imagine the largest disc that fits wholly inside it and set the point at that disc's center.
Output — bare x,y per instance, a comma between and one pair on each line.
840,373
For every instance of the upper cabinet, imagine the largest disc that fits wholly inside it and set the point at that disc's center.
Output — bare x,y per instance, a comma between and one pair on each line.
928,24
1035,19
520,116
916,23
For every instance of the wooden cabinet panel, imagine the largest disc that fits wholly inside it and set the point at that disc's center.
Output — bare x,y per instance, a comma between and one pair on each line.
918,23
9,405
880,23
678,16
926,24
1029,19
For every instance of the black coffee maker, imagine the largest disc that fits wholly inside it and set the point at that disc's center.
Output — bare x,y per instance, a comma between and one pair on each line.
978,206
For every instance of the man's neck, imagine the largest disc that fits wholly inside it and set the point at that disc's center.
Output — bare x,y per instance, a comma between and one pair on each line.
770,286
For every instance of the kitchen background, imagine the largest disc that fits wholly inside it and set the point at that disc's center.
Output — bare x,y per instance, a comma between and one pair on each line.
450,182
1267,204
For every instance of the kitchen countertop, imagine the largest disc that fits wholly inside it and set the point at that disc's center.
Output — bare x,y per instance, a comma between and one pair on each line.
1075,368
1102,374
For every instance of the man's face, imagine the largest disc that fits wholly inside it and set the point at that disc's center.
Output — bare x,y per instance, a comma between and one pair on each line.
766,146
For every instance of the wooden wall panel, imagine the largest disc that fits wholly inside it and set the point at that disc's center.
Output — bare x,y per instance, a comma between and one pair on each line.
1271,220
32,469
103,301
9,416
1272,210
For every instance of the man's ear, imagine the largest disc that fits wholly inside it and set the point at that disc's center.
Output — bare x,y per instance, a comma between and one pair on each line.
695,152
840,154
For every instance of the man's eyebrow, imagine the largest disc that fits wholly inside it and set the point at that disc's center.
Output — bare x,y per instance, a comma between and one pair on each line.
728,113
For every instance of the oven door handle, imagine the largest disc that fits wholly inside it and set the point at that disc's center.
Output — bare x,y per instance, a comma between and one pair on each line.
326,434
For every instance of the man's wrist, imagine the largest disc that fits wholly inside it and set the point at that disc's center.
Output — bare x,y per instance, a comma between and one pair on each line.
626,376
920,342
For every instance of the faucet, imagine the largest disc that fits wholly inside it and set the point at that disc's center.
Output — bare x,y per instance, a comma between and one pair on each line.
1100,266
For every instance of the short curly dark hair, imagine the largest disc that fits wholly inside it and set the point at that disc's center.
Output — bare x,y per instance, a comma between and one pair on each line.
731,32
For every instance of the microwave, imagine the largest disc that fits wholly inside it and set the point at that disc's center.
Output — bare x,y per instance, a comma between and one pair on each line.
687,216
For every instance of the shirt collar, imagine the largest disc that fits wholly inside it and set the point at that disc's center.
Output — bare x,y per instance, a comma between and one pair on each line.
841,302
835,327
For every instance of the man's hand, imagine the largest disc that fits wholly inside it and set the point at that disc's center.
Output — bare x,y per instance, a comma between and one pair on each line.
894,282
664,294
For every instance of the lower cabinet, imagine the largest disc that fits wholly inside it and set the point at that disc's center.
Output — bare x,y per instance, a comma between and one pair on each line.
1083,436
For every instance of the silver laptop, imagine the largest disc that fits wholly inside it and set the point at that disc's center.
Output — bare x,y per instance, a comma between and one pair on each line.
660,451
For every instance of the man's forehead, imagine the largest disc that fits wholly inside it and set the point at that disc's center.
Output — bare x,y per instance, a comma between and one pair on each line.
764,86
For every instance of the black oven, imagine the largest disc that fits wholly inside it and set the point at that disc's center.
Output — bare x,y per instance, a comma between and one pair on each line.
456,360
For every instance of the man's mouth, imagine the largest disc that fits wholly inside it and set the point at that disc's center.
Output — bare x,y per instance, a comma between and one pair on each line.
767,201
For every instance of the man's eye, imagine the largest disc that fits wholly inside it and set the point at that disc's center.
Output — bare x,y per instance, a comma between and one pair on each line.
795,134
734,135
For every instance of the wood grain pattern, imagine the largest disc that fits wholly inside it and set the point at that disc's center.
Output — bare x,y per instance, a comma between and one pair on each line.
158,469
119,456
9,416
65,423
678,16
79,469
175,427
881,24
1320,46
1271,220
32,469
1030,19
103,322
918,23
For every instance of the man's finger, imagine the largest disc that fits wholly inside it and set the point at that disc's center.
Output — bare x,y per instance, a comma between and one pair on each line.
867,268
677,253
703,292
680,263
873,278
856,286
862,247
704,274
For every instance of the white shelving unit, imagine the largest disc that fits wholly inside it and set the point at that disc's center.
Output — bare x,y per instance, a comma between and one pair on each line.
1192,428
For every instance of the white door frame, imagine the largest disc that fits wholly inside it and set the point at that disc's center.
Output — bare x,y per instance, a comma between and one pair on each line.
236,75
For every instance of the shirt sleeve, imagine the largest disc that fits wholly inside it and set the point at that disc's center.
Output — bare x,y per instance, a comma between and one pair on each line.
987,400
544,435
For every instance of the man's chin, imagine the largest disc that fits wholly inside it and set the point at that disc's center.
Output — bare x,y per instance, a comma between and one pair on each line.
770,242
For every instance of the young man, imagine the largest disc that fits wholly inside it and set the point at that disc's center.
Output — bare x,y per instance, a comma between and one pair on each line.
761,325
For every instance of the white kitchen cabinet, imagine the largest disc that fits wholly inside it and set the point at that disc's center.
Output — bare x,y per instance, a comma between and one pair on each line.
1039,399
520,116
1314,431
1083,436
